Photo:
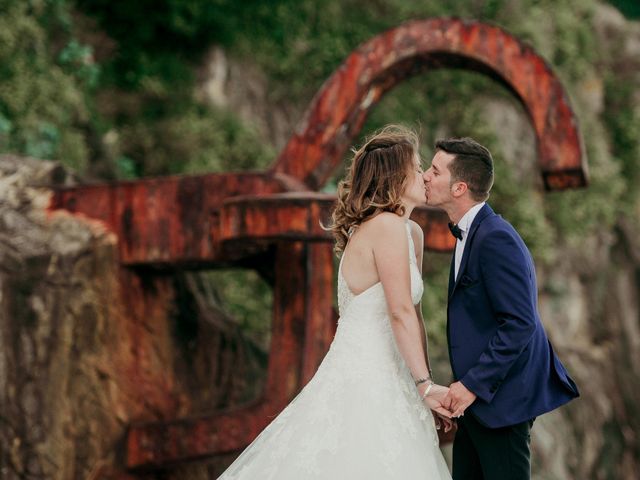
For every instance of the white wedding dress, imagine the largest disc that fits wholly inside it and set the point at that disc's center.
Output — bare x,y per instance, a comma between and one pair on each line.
360,416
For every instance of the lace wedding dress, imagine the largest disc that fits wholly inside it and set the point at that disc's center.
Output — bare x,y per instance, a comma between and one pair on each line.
360,416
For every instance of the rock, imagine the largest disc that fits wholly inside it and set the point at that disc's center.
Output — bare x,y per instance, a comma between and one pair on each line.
240,86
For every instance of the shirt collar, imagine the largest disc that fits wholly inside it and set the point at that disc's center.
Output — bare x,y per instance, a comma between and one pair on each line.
467,219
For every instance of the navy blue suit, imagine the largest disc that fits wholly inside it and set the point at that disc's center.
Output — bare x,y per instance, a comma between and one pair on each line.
497,345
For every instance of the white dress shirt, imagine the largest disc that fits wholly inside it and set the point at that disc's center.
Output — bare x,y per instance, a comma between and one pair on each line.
465,224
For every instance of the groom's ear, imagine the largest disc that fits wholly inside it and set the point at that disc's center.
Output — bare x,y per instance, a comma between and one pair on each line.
458,189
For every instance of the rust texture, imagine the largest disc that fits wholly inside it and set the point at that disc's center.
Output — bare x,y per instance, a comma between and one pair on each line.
301,331
223,219
167,221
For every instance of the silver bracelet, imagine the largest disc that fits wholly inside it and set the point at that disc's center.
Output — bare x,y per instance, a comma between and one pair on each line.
427,390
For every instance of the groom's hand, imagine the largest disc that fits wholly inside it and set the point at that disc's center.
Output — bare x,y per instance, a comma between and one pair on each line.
458,399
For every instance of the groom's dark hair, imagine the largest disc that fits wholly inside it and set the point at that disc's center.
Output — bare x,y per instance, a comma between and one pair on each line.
472,164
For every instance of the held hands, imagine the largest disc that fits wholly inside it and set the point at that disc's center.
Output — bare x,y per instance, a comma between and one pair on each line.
447,403
458,399
435,398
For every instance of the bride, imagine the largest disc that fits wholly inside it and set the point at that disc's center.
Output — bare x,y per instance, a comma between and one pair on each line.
371,410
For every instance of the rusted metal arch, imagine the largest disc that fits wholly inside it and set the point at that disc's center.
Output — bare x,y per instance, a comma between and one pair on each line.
340,108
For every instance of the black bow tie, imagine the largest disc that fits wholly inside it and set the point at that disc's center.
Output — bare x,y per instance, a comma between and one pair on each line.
455,231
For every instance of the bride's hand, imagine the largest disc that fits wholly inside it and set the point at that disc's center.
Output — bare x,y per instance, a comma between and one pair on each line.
447,422
435,398
439,392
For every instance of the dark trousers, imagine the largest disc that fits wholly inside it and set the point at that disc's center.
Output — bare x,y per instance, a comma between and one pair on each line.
483,453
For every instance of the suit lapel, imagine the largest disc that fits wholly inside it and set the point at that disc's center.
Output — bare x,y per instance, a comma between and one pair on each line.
484,212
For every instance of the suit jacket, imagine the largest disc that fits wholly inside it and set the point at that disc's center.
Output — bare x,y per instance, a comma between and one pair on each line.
497,345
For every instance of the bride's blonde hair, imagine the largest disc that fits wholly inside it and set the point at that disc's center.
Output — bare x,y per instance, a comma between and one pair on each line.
375,180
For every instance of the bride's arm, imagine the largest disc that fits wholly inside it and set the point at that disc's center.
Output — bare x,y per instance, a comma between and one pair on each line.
418,240
423,335
391,254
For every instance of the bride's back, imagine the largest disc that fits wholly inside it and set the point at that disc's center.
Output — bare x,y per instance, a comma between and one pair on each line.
359,266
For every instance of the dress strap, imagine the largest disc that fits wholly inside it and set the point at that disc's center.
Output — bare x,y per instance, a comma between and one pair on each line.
412,247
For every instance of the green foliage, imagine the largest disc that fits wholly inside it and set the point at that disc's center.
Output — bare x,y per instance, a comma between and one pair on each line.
78,58
434,301
194,141
622,117
164,37
630,8
247,298
578,213
42,101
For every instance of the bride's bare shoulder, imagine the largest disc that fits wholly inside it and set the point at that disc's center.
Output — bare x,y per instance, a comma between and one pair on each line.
385,224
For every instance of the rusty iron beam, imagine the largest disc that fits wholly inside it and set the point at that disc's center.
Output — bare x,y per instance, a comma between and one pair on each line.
279,216
321,317
168,221
297,216
184,221
152,446
339,109
434,223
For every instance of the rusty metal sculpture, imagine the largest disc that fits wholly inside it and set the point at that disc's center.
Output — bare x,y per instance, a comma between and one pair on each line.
227,219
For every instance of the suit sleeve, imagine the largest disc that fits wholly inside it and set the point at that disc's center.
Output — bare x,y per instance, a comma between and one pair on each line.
506,275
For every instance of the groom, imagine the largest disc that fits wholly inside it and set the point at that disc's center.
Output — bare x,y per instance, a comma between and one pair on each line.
505,369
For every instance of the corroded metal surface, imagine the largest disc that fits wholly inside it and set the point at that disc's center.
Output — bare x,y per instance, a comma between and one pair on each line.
339,109
224,219
303,321
280,216
298,216
170,221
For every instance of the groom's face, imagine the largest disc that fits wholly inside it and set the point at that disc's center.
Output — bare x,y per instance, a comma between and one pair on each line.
437,179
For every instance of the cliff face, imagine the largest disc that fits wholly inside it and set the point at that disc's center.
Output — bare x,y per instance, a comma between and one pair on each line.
592,314
70,360
46,279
